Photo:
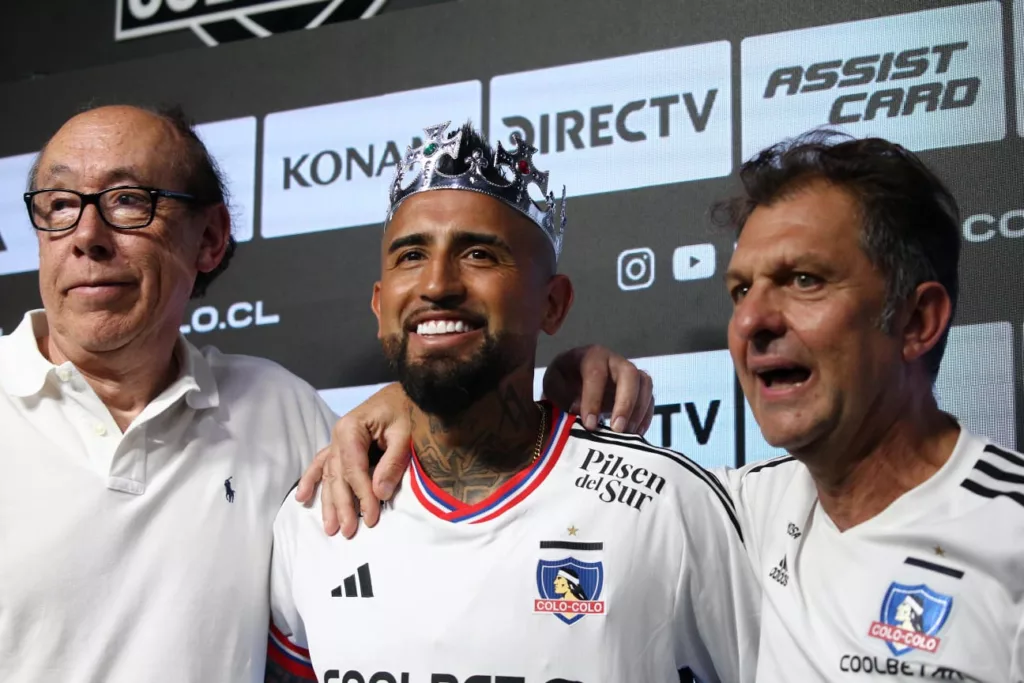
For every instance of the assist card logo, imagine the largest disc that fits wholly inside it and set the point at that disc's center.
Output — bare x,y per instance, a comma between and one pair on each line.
569,589
926,80
911,616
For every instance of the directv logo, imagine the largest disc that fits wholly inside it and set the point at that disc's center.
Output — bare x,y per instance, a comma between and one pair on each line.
614,124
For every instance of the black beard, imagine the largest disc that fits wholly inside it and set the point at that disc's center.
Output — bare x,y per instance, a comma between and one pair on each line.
447,387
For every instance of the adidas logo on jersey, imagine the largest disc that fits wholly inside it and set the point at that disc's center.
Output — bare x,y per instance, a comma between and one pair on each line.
349,589
781,572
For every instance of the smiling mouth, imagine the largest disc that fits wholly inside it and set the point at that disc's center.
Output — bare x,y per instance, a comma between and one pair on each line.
436,328
98,285
784,377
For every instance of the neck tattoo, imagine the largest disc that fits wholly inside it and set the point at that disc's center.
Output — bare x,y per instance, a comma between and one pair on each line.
471,472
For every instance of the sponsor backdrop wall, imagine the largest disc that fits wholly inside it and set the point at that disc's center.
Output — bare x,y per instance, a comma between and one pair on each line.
644,111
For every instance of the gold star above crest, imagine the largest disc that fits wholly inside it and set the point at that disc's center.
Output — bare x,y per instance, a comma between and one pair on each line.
572,530
939,551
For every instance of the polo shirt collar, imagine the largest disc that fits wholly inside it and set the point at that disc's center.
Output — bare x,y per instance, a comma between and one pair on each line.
24,370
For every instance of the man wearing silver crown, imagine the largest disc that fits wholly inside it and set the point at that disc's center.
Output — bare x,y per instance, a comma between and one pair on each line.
504,495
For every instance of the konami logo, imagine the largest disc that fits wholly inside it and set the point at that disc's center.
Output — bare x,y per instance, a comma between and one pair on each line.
330,166
926,79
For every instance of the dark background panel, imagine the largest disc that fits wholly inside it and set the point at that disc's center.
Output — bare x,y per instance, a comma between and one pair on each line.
318,285
39,39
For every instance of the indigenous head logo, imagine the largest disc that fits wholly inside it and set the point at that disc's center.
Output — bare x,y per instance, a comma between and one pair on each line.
569,589
911,616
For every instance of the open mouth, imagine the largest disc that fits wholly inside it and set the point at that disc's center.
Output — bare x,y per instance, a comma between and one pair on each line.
784,377
436,328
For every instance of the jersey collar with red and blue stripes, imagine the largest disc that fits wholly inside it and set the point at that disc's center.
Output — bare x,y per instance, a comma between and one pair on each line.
511,493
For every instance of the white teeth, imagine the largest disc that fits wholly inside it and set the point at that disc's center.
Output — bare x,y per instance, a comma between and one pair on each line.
433,327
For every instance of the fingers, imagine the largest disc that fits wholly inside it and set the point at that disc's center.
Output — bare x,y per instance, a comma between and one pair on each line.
311,477
391,468
346,474
354,467
643,409
645,423
594,373
628,385
327,509
561,380
343,501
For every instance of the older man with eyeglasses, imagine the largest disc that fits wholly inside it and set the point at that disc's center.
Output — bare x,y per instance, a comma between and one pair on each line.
140,476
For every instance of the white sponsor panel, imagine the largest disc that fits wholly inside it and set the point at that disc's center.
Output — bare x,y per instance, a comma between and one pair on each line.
695,398
331,166
1018,52
614,124
343,399
975,385
232,143
925,80
19,249
695,404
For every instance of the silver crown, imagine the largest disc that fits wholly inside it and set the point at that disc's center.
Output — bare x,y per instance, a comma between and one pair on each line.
513,193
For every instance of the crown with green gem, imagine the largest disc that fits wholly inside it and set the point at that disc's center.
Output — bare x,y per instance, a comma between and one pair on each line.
418,173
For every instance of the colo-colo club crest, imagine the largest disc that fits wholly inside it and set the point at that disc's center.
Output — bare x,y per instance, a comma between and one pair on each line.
569,589
911,616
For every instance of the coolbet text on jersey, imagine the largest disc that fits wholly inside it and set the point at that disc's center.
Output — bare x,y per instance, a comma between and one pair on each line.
606,560
931,588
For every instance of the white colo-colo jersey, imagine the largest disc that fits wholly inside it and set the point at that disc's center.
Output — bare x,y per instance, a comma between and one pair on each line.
606,560
932,587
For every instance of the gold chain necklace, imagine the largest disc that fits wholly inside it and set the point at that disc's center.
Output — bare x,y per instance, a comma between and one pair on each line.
540,432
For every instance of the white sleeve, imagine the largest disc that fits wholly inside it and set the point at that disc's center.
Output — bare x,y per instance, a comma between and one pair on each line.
732,481
325,419
287,646
718,601
1017,656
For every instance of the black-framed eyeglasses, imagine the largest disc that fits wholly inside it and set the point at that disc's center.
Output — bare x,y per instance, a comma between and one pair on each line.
126,208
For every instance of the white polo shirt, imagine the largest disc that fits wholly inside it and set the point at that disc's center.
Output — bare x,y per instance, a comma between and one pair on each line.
143,556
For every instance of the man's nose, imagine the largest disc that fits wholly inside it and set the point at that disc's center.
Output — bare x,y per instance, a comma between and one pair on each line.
92,236
758,316
442,281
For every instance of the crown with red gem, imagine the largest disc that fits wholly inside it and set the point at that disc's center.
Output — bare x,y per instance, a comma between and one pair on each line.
410,180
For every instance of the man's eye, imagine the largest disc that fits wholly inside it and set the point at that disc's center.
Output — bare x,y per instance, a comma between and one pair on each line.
478,254
806,281
738,292
409,256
